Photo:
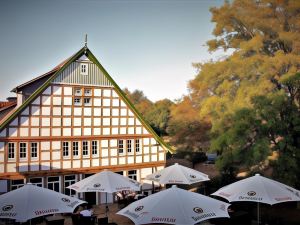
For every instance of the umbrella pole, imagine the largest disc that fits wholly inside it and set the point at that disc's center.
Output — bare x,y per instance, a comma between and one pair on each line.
106,207
257,213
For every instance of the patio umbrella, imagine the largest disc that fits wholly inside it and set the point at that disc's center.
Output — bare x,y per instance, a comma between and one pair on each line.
105,181
258,189
177,174
31,201
175,206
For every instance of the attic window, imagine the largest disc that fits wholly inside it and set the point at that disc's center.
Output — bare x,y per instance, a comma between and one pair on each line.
84,69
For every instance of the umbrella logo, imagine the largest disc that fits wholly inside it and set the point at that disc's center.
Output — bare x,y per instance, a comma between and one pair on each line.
251,193
193,176
97,185
7,207
65,200
198,210
139,208
157,176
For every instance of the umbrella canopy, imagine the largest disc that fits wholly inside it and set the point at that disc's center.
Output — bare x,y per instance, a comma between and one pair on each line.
31,201
258,189
105,181
175,206
177,174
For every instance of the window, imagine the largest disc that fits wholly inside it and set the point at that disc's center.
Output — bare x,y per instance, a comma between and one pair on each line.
11,150
84,69
128,146
15,184
69,180
65,148
75,148
132,174
33,150
121,146
137,145
87,92
87,101
53,183
38,181
85,148
77,101
94,147
23,149
77,91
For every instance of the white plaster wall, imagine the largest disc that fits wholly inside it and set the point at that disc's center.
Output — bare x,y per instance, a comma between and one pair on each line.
67,111
104,153
24,132
123,121
153,149
106,102
13,132
123,103
97,121
23,167
56,132
86,163
123,130
45,165
67,122
146,158
45,145
35,132
146,150
76,163
34,167
97,92
1,146
114,94
97,131
46,100
67,90
56,100
145,131
113,152
77,131
77,122
131,130
35,110
77,111
25,112
56,165
130,159
116,102
106,131
87,131
35,121
14,122
97,101
106,122
114,130
56,111
138,130
56,122
11,167
123,112
87,111
87,121
45,132
95,162
115,112
57,90
37,101
97,112
122,160
105,162
3,133
24,121
67,131
55,155
47,91
106,92
145,172
45,156
154,158
56,145
66,164
45,122
67,100
146,141
161,156
113,161
106,112
138,159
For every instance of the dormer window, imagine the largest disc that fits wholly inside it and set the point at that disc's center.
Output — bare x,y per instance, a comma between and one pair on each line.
84,69
77,91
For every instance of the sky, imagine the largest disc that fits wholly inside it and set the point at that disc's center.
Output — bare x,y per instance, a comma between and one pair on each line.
145,45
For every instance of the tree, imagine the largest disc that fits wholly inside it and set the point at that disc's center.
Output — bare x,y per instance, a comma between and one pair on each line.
272,124
158,116
186,130
265,38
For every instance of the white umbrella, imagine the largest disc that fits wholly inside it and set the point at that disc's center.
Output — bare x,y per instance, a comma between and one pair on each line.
177,174
31,201
106,181
175,206
258,189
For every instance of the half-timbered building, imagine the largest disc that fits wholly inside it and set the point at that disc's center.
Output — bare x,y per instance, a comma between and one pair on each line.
72,122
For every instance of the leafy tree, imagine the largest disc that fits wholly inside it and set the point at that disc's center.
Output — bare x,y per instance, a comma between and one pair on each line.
265,38
186,131
158,116
272,124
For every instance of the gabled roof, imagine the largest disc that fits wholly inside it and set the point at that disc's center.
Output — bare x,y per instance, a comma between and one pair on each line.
61,67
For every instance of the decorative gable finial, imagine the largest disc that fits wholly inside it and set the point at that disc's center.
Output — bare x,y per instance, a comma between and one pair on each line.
85,43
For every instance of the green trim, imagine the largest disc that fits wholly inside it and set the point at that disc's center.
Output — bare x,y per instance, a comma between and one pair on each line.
117,88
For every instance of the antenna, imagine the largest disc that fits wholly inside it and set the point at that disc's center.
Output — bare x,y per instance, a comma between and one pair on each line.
85,41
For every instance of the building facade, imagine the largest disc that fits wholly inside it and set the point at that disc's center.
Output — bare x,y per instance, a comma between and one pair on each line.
72,122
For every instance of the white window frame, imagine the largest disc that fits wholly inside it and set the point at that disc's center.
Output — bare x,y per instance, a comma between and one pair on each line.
87,103
129,146
75,148
68,182
11,150
16,186
85,148
39,184
132,174
77,101
94,147
121,147
34,148
84,68
87,92
22,150
77,91
66,149
137,145
54,182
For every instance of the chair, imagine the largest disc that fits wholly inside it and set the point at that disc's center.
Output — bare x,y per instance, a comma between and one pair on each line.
103,221
87,220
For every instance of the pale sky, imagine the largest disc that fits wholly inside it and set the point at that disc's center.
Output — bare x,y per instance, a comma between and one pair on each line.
145,45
